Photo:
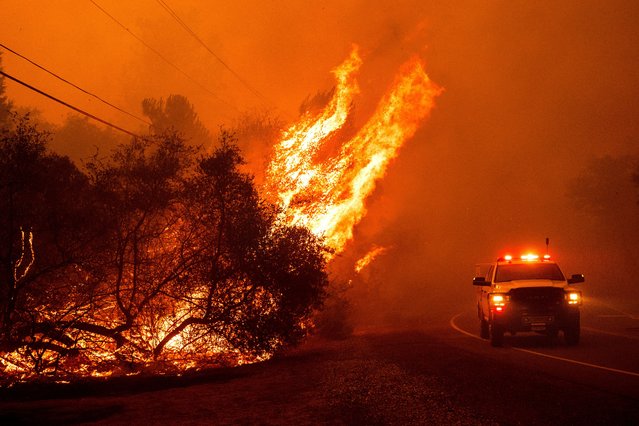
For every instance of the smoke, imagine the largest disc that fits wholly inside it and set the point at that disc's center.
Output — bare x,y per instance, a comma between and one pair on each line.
534,92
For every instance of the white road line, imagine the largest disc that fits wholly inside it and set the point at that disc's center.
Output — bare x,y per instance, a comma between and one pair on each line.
452,324
610,333
572,361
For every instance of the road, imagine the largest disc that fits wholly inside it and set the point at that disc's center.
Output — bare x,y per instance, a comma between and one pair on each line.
598,380
430,371
607,357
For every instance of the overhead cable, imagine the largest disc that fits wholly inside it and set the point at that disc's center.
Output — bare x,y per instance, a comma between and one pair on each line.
74,85
10,77
199,40
162,56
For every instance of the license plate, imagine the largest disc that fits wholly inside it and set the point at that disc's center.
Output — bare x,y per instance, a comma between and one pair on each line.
539,321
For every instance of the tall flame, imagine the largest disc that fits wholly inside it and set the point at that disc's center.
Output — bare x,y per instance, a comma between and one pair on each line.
329,196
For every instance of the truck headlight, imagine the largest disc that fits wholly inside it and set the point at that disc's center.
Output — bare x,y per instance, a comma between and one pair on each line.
573,298
498,301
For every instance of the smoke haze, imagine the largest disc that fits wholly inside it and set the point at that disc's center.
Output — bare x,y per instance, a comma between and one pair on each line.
534,93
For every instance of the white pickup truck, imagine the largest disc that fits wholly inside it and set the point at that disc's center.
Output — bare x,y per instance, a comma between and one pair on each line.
528,294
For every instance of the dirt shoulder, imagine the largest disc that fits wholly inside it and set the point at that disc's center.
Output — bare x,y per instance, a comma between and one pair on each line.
323,382
383,377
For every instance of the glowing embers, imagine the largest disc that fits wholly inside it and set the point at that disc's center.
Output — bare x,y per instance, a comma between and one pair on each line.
327,194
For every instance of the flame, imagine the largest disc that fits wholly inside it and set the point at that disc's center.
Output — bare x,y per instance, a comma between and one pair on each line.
17,274
322,189
369,257
292,169
328,197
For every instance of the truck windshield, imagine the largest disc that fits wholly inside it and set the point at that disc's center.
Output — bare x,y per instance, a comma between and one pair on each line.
528,271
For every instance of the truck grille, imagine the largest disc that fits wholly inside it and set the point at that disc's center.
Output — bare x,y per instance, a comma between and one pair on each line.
537,299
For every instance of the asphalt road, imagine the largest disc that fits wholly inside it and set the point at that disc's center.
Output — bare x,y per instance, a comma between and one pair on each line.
429,371
531,380
607,357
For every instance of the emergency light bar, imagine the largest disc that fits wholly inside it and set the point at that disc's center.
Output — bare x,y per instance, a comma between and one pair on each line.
525,257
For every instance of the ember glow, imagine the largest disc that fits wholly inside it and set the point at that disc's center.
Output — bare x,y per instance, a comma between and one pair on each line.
328,196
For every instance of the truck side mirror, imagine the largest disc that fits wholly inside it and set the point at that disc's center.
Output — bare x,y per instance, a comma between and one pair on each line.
576,278
481,281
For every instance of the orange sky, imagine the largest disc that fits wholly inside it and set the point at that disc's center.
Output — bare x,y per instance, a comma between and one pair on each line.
533,91
283,49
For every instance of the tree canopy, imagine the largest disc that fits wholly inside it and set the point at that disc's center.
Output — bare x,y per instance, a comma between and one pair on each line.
157,254
176,114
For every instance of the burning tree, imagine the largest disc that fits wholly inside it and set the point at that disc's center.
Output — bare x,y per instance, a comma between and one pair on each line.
46,234
256,280
154,255
147,245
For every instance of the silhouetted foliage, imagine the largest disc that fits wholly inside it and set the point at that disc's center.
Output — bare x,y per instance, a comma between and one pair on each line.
46,234
5,104
176,114
153,254
80,139
257,280
605,188
257,132
140,189
335,320
606,196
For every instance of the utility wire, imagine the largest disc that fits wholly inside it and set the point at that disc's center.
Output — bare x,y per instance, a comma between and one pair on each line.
10,77
199,40
76,86
162,56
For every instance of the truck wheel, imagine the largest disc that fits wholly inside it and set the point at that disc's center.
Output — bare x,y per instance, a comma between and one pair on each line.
484,330
572,331
496,335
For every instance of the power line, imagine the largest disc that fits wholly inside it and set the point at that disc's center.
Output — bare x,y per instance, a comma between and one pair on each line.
10,77
74,85
161,56
199,40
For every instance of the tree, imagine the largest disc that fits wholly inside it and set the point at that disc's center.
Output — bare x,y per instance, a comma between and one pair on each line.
150,255
80,139
5,104
147,244
257,281
176,114
46,234
604,189
607,228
